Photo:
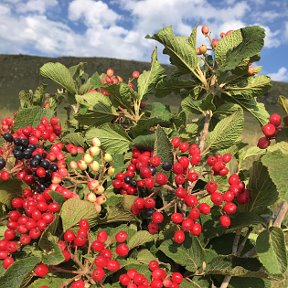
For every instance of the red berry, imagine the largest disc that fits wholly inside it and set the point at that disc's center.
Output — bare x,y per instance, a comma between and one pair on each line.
177,168
150,203
17,203
98,274
135,74
153,264
161,179
80,241
228,196
244,197
192,176
122,249
78,284
176,142
205,29
124,279
101,261
121,236
194,213
149,182
225,221
157,217
5,176
179,236
211,160
54,207
25,239
9,234
191,200
275,119
177,277
153,228
176,218
155,161
196,229
230,208
269,130
102,236
233,179
179,179
181,193
263,142
83,223
7,262
187,224
216,198
184,146
97,246
69,236
211,187
113,265
204,208
227,157
41,270
139,203
184,161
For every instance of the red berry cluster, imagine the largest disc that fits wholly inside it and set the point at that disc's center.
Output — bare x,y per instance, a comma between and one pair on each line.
32,214
134,279
270,130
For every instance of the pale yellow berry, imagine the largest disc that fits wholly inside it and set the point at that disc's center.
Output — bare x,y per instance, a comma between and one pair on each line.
100,190
108,158
88,158
91,197
96,142
73,165
94,166
94,151
111,171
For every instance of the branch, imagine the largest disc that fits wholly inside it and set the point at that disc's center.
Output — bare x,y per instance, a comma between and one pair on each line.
205,130
281,214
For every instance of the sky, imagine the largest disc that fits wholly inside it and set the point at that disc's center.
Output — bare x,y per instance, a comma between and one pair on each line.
117,28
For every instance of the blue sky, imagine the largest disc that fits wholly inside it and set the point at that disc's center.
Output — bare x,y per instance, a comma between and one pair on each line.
117,28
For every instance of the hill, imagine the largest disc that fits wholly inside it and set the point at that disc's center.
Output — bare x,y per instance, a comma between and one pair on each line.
20,72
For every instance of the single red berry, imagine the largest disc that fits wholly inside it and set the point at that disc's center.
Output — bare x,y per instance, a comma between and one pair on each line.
135,74
187,224
78,284
124,279
175,142
275,119
97,246
216,198
244,197
83,223
177,277
233,179
263,142
184,161
25,239
177,168
121,236
155,161
5,176
196,229
54,207
230,208
40,171
225,221
192,176
139,203
191,200
153,228
102,236
194,213
41,270
122,249
113,265
9,234
179,179
269,130
98,274
184,146
211,160
150,203
101,261
159,274
179,236
181,193
177,218
17,203
7,262
153,264
211,187
149,182
80,241
228,196
204,208
157,217
69,236
161,178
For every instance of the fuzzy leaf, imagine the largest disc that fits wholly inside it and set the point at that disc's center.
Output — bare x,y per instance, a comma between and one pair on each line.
140,238
270,247
74,209
55,256
226,132
18,271
148,79
50,281
181,52
60,74
276,163
113,138
10,190
31,116
283,102
74,138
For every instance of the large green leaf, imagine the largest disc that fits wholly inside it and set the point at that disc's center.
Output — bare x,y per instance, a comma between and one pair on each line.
145,142
60,74
17,272
226,132
163,146
31,116
10,190
283,102
190,105
140,238
160,110
74,138
249,282
49,281
249,87
92,98
113,138
263,190
270,247
121,95
73,210
189,254
148,79
55,256
250,44
181,52
276,163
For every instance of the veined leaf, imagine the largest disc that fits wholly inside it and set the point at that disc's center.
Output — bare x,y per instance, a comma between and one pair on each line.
226,132
148,79
113,138
249,44
140,238
74,138
60,74
190,105
181,52
193,37
9,190
270,247
249,87
283,102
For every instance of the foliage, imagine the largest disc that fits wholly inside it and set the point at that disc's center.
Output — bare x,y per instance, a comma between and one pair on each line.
128,184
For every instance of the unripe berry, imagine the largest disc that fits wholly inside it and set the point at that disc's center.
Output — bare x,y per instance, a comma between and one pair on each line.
108,158
73,165
111,171
109,72
135,74
94,166
96,142
100,190
82,165
91,197
215,42
205,29
202,49
88,158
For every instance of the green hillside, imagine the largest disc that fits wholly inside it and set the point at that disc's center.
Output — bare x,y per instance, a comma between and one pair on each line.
20,72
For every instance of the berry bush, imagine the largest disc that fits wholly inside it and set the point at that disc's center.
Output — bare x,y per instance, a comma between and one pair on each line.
123,192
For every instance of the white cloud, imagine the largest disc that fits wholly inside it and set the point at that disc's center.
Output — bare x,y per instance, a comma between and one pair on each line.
281,75
39,6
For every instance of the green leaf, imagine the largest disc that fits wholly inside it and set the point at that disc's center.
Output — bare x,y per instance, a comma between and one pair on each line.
189,254
55,255
113,138
240,282
140,238
9,190
244,219
50,281
90,99
44,243
18,271
239,45
161,111
270,247
263,190
144,124
74,138
145,142
190,105
193,37
145,256
148,79
95,80
121,95
249,87
60,74
167,85
181,52
226,132
257,109
74,209
276,163
163,146
283,102
31,116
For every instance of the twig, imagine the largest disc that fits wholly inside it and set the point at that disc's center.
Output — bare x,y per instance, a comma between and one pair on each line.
281,214
205,129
